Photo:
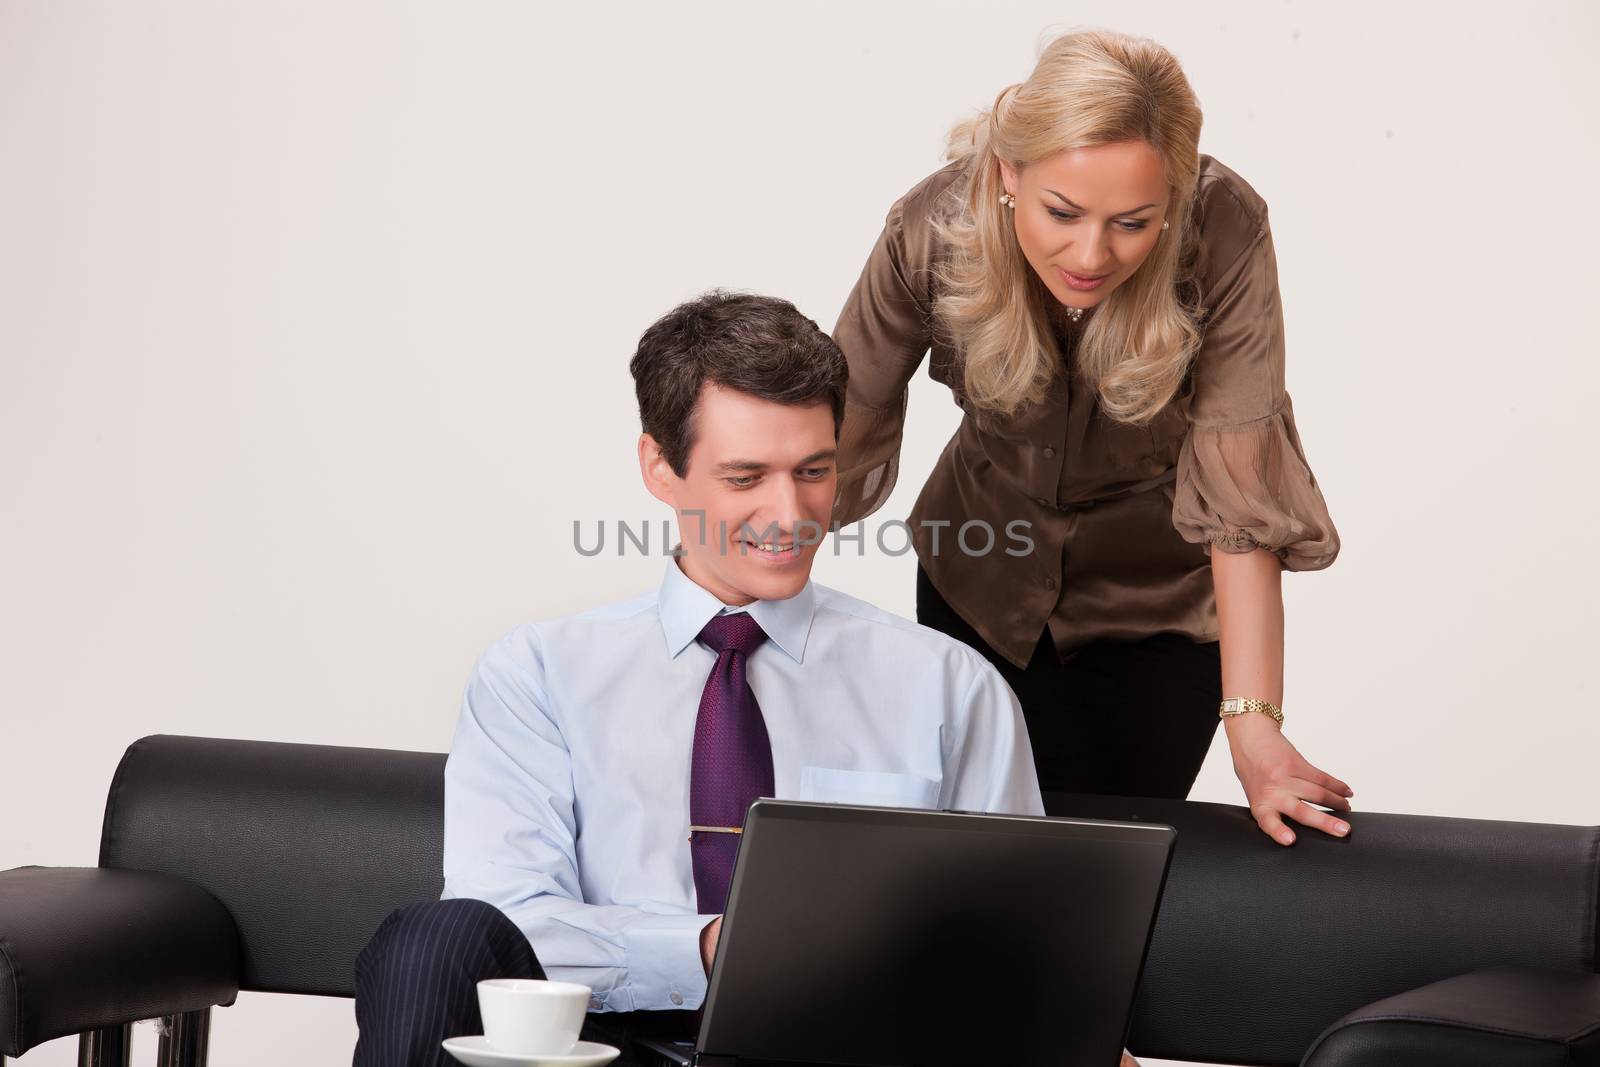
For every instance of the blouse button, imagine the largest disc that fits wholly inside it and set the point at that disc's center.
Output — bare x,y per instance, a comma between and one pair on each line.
1049,453
677,998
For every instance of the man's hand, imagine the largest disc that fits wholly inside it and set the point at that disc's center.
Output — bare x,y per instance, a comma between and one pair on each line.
708,942
1278,781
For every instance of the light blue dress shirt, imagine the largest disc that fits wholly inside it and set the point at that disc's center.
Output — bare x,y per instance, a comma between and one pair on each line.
567,786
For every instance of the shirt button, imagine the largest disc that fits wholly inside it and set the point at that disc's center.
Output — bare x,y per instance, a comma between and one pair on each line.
1049,583
595,1004
1049,453
676,998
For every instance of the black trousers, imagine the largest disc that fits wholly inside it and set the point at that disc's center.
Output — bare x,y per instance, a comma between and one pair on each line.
416,985
1130,718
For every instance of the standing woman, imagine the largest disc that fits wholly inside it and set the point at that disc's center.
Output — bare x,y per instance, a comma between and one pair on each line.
1110,522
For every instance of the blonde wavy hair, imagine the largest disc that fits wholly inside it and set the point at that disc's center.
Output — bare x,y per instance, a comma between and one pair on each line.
1089,87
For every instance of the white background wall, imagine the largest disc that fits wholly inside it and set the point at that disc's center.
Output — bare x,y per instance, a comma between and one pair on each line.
314,321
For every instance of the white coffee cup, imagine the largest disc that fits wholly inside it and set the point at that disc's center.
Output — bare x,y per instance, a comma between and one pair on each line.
532,1017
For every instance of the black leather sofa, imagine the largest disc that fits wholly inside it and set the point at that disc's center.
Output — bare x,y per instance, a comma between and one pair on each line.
241,865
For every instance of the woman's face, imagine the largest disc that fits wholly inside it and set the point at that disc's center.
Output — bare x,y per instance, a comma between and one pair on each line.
1087,214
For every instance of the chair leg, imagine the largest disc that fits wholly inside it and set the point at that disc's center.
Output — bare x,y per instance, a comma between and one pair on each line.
107,1047
184,1039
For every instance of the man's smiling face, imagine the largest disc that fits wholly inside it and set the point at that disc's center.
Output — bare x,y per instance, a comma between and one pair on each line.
755,495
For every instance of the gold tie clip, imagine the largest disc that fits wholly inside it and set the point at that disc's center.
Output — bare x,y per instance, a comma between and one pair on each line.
712,830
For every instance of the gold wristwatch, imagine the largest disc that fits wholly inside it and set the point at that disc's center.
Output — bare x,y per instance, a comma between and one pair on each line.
1239,705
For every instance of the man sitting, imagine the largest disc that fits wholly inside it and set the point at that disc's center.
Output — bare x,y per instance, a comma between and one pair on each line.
602,760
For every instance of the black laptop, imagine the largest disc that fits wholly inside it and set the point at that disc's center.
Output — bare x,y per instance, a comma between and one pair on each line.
891,937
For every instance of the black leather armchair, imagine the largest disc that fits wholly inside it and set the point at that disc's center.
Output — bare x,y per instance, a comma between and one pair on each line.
229,865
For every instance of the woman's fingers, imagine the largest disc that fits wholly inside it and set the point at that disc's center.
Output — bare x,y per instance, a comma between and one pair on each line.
1327,781
1307,814
1316,794
1272,825
1292,801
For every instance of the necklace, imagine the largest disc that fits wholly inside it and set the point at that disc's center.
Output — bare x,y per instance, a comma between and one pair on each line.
1075,314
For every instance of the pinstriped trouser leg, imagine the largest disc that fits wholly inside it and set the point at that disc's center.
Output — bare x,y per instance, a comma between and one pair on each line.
416,981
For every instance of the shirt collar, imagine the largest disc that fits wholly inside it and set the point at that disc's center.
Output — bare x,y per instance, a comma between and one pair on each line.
686,607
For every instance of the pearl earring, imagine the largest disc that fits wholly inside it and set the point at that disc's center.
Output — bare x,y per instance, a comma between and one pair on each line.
1008,200
1164,224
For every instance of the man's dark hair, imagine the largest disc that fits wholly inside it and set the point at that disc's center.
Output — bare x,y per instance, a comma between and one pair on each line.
758,345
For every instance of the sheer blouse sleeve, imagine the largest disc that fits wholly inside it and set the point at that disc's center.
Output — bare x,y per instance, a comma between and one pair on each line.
884,331
1243,481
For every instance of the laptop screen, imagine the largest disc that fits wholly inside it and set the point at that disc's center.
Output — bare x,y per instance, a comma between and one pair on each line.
873,936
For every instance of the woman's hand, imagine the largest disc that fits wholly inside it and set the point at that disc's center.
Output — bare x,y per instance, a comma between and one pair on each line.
1278,781
1127,1060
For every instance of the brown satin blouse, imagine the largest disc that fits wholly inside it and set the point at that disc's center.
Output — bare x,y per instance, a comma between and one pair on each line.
1121,518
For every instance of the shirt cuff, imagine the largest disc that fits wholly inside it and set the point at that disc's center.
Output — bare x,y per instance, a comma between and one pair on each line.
665,972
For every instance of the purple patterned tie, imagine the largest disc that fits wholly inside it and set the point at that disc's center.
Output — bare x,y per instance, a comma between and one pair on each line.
732,762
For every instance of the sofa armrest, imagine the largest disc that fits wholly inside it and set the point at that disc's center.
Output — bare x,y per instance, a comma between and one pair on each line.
1483,1019
85,948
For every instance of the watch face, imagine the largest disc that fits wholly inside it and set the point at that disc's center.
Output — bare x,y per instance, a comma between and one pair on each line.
1232,704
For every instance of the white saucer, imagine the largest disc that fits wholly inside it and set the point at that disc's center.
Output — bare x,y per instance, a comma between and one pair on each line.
477,1052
